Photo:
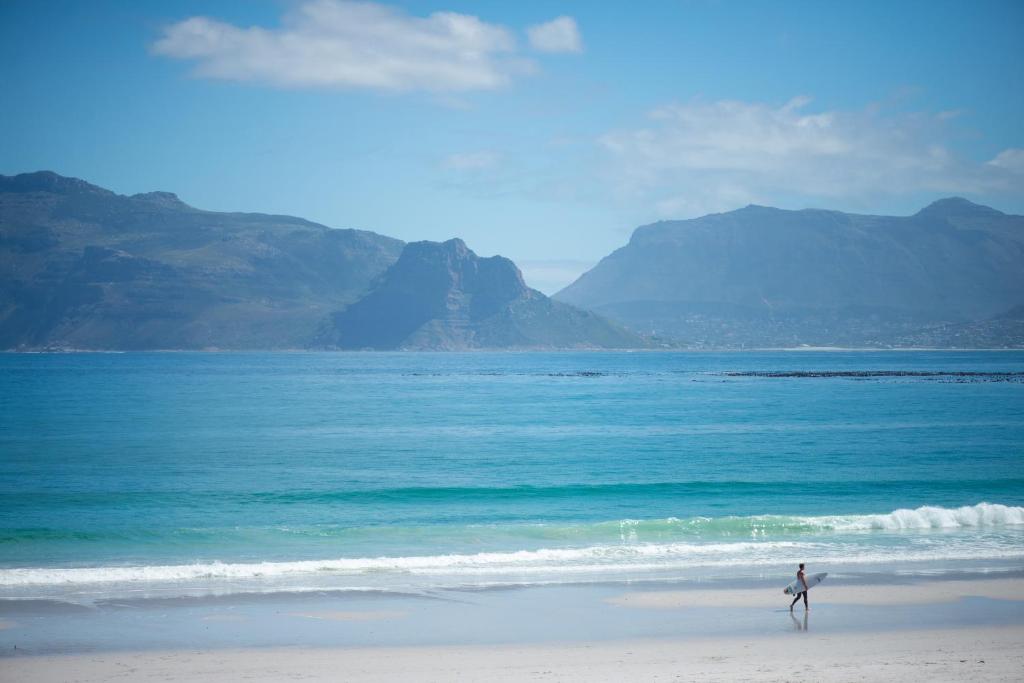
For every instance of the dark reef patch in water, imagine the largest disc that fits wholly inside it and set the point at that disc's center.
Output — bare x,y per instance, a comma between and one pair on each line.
952,375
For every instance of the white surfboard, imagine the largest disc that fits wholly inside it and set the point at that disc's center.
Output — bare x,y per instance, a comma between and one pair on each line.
798,587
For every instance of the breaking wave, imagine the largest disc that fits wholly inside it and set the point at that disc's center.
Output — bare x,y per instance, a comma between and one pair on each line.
707,542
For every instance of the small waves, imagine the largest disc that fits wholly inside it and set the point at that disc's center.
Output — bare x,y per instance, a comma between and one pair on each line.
983,531
525,534
549,563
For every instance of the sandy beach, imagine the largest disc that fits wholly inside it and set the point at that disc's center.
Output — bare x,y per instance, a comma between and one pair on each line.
936,630
979,654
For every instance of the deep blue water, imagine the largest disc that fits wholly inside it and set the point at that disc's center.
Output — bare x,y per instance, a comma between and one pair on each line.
178,471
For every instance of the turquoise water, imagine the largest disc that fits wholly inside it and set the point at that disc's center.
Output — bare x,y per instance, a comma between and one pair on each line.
198,473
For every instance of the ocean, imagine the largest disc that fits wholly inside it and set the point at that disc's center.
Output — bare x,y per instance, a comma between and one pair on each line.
179,474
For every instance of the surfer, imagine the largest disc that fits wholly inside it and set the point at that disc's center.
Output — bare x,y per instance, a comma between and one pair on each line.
800,577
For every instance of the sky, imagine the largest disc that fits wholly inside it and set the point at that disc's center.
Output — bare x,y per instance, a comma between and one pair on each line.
542,131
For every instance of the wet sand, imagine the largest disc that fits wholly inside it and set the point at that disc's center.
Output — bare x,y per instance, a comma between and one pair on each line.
969,629
920,593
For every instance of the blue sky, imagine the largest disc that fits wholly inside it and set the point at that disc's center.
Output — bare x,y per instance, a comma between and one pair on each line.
543,131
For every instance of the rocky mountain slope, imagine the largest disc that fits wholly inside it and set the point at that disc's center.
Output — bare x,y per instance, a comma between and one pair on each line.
767,277
442,296
84,268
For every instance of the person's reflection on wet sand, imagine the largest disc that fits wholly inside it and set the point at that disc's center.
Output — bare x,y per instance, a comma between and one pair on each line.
799,624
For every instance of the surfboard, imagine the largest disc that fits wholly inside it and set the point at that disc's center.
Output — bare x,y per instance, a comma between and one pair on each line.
812,581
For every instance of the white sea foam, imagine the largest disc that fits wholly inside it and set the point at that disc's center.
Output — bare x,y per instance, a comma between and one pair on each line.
628,556
928,517
545,561
522,560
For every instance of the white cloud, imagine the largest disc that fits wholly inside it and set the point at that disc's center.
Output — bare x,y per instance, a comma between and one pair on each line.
1011,159
710,156
558,35
471,161
342,44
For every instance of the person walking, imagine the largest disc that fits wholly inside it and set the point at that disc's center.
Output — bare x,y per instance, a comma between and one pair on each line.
800,577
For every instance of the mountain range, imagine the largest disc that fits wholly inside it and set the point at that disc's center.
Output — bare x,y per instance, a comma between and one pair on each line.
950,275
84,268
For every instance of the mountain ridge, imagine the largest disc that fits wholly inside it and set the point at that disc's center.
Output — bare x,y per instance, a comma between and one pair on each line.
442,296
775,277
82,267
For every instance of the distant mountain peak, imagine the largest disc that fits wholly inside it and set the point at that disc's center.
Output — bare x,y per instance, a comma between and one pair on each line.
454,244
957,206
454,248
48,181
761,277
441,295
54,183
458,266
167,199
94,269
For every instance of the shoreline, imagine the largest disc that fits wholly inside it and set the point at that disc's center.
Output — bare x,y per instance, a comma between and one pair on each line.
843,607
537,350
926,583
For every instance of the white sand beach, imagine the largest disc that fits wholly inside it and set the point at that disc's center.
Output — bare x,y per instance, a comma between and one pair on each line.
977,650
974,654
